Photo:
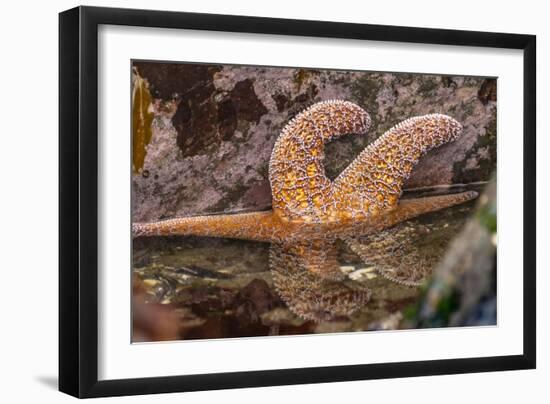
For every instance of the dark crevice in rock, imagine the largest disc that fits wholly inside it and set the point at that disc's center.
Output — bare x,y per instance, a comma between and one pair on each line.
488,91
168,80
281,100
246,102
204,117
302,101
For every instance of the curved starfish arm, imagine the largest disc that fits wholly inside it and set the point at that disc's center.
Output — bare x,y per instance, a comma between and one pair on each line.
316,256
309,295
373,181
299,186
259,226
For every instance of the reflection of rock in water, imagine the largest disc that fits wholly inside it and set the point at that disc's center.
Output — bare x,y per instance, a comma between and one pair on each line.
309,295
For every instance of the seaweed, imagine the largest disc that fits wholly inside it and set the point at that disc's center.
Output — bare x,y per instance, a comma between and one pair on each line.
142,119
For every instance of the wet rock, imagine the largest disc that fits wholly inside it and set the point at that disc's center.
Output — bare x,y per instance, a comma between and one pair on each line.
333,326
480,160
281,316
463,289
253,310
488,91
390,322
256,298
202,272
363,273
152,321
215,127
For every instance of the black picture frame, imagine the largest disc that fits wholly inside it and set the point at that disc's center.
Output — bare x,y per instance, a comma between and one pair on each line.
78,200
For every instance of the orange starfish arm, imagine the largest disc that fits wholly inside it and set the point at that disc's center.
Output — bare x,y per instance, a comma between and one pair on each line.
373,181
300,190
408,209
248,226
269,227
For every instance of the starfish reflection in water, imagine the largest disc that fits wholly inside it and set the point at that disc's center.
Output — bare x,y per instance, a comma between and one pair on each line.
310,212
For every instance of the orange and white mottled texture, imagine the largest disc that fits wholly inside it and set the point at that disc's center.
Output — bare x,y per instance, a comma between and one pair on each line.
310,212
269,227
259,226
373,181
395,254
310,296
299,187
316,255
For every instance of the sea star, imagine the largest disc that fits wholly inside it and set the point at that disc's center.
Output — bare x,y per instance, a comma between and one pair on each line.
310,212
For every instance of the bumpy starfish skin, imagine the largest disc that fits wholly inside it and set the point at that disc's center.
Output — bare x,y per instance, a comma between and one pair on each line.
269,227
404,253
306,204
310,212
373,181
299,187
308,295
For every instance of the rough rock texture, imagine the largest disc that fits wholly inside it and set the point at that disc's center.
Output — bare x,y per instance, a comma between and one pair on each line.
463,288
215,126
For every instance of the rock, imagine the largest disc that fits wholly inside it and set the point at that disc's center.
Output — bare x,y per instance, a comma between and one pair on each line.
347,268
258,297
214,128
463,289
391,322
333,326
363,273
281,316
151,321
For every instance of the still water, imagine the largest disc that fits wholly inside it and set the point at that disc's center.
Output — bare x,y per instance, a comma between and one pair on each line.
198,287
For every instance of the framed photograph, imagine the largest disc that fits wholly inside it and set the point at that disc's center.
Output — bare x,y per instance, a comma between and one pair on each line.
251,201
